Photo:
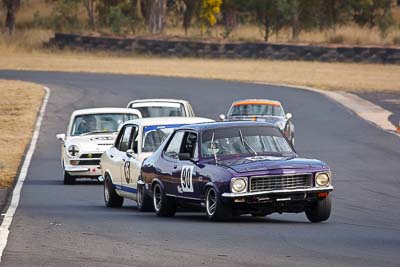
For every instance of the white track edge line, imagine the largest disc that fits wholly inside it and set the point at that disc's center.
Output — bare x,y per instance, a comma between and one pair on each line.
353,104
8,216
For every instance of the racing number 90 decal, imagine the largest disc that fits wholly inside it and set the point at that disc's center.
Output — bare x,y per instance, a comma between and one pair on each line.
127,172
186,179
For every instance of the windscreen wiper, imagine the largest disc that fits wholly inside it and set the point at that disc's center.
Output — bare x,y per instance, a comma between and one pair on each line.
95,132
244,143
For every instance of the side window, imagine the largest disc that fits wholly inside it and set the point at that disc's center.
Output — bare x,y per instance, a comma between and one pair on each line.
119,137
134,140
174,145
124,143
189,144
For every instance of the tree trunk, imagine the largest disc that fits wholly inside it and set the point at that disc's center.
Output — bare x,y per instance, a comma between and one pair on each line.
157,15
11,7
138,9
90,7
295,20
188,15
267,27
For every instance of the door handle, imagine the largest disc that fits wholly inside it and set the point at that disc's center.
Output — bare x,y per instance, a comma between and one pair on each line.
175,166
123,160
111,156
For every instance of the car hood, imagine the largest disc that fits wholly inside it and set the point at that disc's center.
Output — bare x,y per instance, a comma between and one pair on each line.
262,163
92,143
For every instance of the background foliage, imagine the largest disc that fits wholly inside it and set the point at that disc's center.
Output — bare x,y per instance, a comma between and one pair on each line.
219,19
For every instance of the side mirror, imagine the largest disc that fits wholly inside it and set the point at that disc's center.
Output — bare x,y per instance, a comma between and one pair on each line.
60,137
130,153
184,156
288,116
222,117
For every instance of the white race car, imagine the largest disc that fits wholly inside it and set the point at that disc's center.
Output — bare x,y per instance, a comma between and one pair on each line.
137,140
162,107
90,132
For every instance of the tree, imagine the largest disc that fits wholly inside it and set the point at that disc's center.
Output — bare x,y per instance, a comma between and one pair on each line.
157,15
11,7
90,6
208,11
190,8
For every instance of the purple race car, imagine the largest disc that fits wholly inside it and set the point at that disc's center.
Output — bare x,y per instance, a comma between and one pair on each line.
233,168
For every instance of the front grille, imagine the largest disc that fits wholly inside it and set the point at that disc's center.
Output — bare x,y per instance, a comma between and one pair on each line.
91,156
89,162
279,182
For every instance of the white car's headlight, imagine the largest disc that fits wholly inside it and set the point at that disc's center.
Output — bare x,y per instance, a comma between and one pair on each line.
280,124
239,184
323,179
73,150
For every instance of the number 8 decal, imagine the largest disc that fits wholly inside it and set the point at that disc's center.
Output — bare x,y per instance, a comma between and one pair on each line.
186,179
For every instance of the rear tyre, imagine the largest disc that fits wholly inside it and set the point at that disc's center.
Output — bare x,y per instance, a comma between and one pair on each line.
320,210
215,209
69,179
163,205
111,198
143,200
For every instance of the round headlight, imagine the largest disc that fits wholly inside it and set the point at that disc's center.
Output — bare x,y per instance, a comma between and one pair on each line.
73,150
239,185
322,179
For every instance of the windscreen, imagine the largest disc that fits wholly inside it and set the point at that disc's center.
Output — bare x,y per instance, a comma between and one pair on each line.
248,140
256,110
99,123
160,109
154,135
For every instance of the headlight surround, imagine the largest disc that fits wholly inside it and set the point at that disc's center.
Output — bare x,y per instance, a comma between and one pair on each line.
280,124
322,178
73,151
239,184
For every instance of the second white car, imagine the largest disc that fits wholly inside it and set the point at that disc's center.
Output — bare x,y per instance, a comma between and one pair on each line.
137,140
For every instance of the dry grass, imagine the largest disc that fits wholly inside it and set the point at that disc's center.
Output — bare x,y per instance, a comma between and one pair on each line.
19,104
24,41
330,76
349,35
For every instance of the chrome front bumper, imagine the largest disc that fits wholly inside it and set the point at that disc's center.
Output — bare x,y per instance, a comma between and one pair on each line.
92,170
277,192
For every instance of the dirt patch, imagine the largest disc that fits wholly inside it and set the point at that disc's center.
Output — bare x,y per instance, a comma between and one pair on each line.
19,105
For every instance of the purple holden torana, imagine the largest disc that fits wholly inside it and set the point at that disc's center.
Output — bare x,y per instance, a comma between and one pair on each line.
233,168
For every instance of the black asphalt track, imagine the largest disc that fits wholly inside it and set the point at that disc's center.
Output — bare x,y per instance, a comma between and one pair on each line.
58,225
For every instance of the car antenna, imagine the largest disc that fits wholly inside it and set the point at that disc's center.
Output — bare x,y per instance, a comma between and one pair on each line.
212,145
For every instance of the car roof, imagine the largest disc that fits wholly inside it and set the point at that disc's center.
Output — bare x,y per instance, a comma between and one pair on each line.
158,100
103,110
225,124
256,102
167,120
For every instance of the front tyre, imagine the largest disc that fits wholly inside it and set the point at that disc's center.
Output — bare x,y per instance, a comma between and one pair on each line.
143,200
111,198
320,210
69,179
163,206
215,209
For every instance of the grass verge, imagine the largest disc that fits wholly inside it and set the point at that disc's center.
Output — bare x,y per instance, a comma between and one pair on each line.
19,105
353,77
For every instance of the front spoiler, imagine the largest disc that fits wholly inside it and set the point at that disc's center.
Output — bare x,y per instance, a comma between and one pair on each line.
277,192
